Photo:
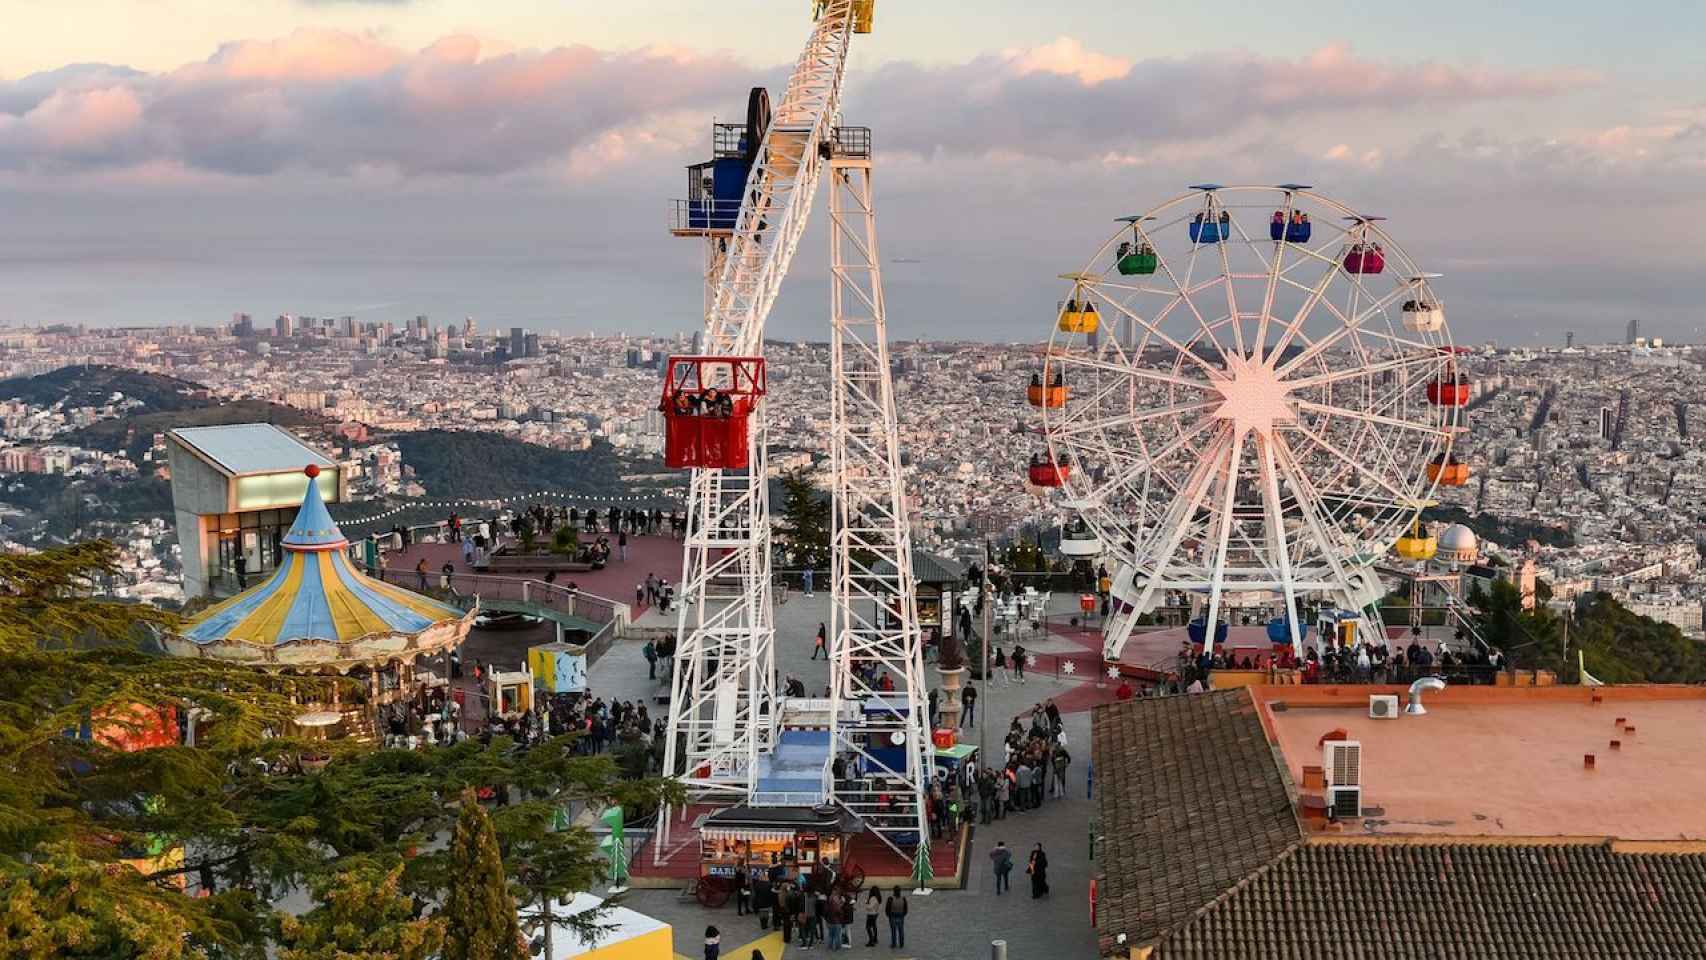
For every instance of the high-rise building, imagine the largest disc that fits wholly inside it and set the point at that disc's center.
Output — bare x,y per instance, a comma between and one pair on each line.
517,343
284,326
530,345
346,326
1569,339
1605,423
421,329
1632,332
468,329
242,325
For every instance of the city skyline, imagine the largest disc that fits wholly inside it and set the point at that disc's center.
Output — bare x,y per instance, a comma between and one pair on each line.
390,159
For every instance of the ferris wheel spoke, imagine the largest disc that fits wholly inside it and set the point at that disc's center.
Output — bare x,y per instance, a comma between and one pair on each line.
1307,500
1422,428
1279,547
1272,284
1399,496
1301,317
1366,370
1141,373
1231,293
1128,419
1176,521
1148,462
1229,493
1184,293
1353,322
1153,327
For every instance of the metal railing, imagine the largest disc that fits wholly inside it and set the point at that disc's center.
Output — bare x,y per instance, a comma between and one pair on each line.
707,214
575,603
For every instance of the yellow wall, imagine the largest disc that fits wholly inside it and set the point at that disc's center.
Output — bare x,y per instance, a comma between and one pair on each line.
656,945
1231,679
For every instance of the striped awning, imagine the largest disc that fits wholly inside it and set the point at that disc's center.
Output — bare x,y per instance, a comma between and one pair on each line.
756,833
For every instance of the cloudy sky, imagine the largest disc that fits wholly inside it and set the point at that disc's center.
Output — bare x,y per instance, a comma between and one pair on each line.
178,160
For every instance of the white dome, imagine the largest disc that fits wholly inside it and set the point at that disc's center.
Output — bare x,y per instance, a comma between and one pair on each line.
1459,543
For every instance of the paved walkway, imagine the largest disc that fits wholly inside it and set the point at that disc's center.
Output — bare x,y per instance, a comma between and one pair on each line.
660,556
954,924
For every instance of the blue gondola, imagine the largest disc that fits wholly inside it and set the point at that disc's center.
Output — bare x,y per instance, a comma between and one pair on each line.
1279,632
1291,231
1196,631
1209,232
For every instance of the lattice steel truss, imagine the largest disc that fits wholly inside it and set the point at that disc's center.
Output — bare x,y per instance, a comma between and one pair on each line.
874,616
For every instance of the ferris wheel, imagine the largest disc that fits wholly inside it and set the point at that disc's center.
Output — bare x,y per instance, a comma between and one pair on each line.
1249,391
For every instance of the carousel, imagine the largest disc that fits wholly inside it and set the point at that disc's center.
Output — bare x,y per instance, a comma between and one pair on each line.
318,615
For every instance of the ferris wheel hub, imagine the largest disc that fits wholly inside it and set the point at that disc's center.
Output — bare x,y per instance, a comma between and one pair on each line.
1254,398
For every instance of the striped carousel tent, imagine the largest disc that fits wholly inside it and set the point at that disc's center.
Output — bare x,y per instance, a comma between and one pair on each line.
317,610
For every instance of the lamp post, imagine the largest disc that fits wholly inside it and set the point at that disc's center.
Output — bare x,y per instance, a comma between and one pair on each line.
983,721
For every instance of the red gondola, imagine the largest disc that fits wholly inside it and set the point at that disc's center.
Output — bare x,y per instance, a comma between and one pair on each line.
1450,390
706,403
1045,472
1365,258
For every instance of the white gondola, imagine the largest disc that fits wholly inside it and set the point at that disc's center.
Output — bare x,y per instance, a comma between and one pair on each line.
1423,316
1079,541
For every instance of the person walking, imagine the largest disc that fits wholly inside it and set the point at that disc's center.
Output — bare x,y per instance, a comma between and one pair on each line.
1038,869
821,644
895,908
421,575
968,699
650,652
1019,662
241,564
873,906
622,545
1002,858
788,908
713,943
806,581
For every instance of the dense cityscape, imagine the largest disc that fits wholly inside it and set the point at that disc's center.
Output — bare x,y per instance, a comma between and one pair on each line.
1584,458
434,528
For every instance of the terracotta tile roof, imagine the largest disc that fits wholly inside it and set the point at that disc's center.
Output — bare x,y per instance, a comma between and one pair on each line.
1451,901
1191,802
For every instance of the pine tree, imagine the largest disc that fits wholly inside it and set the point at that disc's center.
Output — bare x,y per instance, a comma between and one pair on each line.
360,913
805,510
479,914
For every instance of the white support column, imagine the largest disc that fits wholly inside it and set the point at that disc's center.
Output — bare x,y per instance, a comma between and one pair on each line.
874,611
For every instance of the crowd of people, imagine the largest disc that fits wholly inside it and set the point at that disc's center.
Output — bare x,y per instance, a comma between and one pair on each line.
1362,662
815,905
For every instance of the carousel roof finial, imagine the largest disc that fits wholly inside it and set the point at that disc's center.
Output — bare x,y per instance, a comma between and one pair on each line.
314,528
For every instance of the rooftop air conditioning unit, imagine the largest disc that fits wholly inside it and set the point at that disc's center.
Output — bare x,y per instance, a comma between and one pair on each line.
1344,803
1383,706
1341,760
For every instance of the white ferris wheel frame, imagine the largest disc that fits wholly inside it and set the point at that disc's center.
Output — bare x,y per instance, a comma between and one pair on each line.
1251,417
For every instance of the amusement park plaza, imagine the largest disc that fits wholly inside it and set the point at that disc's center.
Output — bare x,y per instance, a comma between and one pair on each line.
1244,610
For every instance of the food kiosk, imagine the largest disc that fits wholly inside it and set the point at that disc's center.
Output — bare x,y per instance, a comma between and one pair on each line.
794,839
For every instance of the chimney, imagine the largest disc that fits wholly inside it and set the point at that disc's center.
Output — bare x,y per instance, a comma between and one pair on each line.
1587,761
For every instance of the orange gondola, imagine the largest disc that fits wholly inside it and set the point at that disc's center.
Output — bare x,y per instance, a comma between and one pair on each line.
1052,396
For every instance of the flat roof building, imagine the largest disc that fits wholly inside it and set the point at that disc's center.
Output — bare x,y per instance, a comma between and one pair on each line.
1503,822
235,490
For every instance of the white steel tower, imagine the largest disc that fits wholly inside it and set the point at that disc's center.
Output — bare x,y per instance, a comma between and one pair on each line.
874,617
723,705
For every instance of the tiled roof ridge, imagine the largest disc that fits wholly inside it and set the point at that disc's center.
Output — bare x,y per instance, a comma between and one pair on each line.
1227,894
1464,840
